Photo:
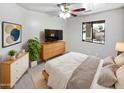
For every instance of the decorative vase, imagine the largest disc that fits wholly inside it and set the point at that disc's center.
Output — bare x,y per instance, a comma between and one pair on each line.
12,57
33,63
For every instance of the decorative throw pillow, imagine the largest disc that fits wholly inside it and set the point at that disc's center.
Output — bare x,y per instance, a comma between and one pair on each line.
108,60
120,78
107,76
119,60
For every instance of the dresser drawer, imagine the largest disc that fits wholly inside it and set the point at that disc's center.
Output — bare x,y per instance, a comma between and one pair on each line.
57,52
13,74
47,54
59,44
59,47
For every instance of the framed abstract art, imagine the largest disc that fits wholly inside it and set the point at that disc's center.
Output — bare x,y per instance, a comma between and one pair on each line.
11,34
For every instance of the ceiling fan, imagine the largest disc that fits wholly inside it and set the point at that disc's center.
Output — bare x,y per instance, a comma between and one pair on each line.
66,12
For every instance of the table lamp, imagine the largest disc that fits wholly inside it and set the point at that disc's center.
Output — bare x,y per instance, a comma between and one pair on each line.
119,47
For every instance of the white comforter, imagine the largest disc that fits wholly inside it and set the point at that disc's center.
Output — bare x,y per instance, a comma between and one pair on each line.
61,68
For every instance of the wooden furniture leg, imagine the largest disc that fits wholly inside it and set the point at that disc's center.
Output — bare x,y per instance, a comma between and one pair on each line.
45,75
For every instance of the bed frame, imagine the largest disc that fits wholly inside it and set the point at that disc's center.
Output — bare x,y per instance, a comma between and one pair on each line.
45,75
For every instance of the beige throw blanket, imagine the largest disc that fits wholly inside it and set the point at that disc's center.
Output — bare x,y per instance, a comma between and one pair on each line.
83,76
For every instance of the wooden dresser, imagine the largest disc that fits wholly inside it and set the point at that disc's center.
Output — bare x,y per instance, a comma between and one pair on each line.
11,71
52,49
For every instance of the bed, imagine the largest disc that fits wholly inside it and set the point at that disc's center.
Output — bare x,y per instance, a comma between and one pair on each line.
62,68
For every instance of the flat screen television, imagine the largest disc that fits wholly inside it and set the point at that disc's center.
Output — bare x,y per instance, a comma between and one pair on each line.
53,35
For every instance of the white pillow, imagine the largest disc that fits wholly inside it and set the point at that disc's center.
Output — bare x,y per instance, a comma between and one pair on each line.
119,60
108,60
107,76
120,78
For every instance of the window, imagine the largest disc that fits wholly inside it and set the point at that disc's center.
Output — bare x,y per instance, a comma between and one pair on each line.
94,31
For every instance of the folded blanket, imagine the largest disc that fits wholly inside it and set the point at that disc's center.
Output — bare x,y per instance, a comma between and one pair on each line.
83,76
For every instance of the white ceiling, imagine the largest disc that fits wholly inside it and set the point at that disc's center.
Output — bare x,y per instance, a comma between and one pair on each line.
53,9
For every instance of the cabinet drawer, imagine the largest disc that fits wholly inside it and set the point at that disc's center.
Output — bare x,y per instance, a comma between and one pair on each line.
59,44
59,47
13,74
59,51
47,55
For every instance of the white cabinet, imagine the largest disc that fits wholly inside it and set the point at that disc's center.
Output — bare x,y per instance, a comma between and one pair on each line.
15,70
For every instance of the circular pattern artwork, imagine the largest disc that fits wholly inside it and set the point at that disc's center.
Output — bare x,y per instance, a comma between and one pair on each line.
9,39
8,28
15,33
11,34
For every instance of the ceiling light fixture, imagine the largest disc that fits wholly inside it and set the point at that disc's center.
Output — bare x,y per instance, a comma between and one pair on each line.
62,8
65,12
64,15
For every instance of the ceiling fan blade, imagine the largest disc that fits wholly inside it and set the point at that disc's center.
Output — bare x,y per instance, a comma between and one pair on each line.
74,15
78,10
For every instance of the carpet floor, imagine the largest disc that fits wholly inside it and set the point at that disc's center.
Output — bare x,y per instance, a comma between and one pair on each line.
26,81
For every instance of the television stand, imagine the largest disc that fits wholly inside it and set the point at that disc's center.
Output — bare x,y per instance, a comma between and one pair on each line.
52,49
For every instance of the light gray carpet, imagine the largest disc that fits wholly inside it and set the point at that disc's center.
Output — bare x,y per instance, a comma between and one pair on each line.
26,81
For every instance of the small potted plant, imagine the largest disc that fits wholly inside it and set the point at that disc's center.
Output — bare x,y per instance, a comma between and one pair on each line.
33,47
12,54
